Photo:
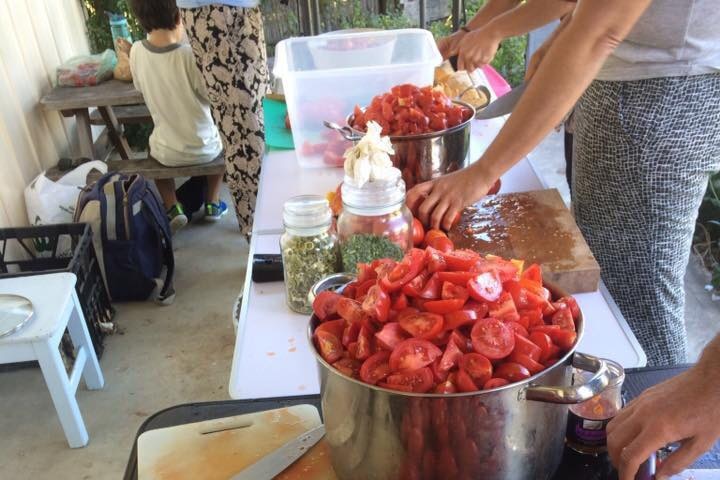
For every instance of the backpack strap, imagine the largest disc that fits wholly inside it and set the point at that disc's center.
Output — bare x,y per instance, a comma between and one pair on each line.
162,227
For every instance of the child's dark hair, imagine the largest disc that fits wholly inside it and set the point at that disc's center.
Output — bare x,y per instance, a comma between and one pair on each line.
156,14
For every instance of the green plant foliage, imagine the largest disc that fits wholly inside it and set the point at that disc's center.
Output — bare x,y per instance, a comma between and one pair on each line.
98,26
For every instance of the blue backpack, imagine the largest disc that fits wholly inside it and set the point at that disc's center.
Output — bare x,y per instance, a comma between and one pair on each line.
132,236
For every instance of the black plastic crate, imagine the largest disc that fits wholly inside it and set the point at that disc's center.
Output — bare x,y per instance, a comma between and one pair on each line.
65,247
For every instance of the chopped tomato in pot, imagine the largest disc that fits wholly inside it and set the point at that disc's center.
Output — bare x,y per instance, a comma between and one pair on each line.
419,381
336,327
492,338
409,268
351,310
390,336
375,368
563,318
461,260
444,306
512,372
422,324
504,308
465,382
495,383
348,367
329,346
460,318
325,304
413,354
377,304
485,287
543,341
435,260
431,290
350,334
451,291
461,341
477,366
446,387
364,344
531,364
451,357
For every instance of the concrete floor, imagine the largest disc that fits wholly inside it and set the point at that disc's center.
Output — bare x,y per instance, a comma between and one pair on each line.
164,356
161,356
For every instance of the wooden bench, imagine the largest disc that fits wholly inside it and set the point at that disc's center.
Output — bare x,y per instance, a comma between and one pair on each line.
150,168
126,115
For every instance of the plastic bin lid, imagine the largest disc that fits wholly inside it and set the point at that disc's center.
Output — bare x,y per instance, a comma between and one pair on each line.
300,56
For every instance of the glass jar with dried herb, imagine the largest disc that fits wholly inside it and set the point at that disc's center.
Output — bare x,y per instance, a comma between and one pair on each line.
375,222
309,248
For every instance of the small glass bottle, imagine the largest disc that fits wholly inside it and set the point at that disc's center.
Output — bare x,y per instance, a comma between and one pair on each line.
309,248
374,223
587,420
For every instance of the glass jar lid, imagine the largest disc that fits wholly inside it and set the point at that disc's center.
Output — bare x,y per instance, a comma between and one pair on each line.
306,211
376,197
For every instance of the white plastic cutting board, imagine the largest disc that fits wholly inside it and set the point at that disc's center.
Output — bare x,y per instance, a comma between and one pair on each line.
192,452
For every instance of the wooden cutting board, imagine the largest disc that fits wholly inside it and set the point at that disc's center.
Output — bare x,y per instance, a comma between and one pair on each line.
218,449
533,226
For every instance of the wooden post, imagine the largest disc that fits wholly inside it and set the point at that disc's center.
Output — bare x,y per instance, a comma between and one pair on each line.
115,132
84,132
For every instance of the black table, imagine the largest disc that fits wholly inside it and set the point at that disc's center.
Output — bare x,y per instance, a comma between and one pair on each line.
574,466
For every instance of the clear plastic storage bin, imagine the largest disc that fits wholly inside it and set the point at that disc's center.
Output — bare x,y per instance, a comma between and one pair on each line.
324,77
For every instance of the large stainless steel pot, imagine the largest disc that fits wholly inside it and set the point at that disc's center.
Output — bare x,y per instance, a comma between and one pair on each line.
423,157
511,433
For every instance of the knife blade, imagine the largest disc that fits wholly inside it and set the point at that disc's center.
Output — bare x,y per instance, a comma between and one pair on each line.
697,474
503,105
275,462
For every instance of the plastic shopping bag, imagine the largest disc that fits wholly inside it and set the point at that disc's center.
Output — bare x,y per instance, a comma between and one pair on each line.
87,70
48,202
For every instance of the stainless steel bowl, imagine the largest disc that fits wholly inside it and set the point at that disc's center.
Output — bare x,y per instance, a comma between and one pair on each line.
423,157
512,432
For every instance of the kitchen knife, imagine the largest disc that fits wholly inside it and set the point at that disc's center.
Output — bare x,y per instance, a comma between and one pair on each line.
503,105
274,463
697,474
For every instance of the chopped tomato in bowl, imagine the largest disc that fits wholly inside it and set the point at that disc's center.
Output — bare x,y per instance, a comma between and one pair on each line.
446,323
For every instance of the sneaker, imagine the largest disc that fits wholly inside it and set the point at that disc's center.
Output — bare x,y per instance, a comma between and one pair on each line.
215,211
176,216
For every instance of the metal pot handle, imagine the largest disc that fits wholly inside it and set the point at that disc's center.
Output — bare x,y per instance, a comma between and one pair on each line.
346,132
575,393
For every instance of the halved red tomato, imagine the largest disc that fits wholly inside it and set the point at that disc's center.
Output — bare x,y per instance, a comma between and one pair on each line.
530,317
526,347
459,318
348,367
363,288
564,339
420,380
481,308
336,327
458,278
432,234
446,387
463,342
390,336
325,304
512,372
400,302
375,368
415,286
442,307
364,344
572,305
351,310
477,366
465,382
377,304
422,324
495,383
365,272
431,290
350,334
504,308
350,290
450,291
543,341
450,358
492,338
329,346
443,244
485,287
435,260
518,329
505,269
563,318
418,232
531,364
398,387
439,376
461,260
413,354
406,270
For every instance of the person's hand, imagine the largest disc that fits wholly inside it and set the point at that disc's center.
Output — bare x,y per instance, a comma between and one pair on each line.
685,409
448,45
438,203
476,49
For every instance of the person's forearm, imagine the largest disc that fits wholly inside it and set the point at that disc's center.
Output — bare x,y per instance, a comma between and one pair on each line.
489,11
527,17
570,65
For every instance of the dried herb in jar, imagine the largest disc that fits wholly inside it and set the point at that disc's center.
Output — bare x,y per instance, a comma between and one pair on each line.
306,260
364,248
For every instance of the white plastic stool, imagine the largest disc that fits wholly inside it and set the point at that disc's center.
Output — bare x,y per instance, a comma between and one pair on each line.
56,307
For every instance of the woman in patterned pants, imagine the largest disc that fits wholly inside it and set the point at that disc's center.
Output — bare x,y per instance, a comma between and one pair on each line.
228,41
647,139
